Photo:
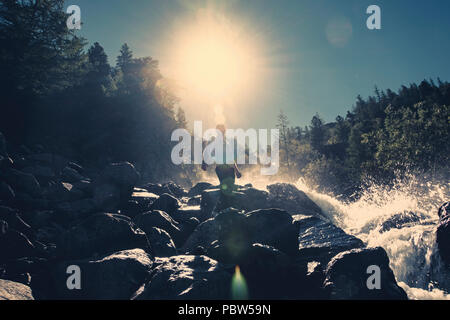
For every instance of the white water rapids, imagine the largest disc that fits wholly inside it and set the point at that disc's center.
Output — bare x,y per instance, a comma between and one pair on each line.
411,249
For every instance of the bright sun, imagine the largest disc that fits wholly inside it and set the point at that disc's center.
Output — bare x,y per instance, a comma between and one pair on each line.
214,58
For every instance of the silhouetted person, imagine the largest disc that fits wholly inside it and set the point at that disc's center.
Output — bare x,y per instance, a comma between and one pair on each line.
225,172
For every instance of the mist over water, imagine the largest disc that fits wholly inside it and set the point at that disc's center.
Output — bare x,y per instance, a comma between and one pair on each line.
411,248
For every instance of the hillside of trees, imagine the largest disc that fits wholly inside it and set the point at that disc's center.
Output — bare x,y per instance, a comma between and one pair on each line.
58,93
383,137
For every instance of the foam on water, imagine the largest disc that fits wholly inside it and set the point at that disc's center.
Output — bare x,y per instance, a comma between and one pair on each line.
411,249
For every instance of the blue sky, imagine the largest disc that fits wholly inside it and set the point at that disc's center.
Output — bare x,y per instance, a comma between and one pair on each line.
309,73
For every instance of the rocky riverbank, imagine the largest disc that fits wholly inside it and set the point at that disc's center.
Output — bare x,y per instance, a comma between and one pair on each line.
160,241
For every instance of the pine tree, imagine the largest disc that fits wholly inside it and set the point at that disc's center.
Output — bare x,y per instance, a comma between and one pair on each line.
283,127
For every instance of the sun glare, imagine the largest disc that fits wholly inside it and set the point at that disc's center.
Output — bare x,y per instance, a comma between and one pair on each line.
214,58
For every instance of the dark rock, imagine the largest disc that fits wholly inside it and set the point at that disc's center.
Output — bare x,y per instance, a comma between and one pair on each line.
288,197
320,240
123,175
71,175
14,221
161,243
14,244
273,227
237,231
57,162
63,191
166,203
67,212
169,188
186,278
443,232
6,162
100,234
10,290
107,197
42,174
199,188
23,182
6,192
3,151
115,276
347,276
159,219
400,220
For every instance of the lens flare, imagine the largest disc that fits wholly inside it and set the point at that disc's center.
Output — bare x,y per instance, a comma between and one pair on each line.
239,289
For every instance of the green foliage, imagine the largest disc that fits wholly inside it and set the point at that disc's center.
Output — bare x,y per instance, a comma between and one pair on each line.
382,136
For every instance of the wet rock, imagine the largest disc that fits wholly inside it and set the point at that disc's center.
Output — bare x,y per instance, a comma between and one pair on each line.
347,276
186,278
401,220
100,234
320,240
443,232
288,197
42,174
10,290
114,276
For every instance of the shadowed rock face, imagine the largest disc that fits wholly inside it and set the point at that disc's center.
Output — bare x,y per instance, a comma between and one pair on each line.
115,276
347,276
186,277
443,232
99,234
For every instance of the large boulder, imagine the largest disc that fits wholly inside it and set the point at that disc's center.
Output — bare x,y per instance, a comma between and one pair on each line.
443,232
347,276
401,220
199,188
159,219
14,244
22,182
10,290
166,203
186,278
237,231
6,192
42,174
14,221
114,276
286,196
161,243
123,175
320,240
100,234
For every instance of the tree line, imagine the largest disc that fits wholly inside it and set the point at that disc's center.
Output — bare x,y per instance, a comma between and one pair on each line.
383,137
58,92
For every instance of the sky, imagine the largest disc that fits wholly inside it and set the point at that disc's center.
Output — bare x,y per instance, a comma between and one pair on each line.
306,57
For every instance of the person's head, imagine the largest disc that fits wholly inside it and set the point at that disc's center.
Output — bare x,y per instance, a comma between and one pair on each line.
221,128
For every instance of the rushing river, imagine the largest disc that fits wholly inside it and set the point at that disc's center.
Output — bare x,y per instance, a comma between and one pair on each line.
411,248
